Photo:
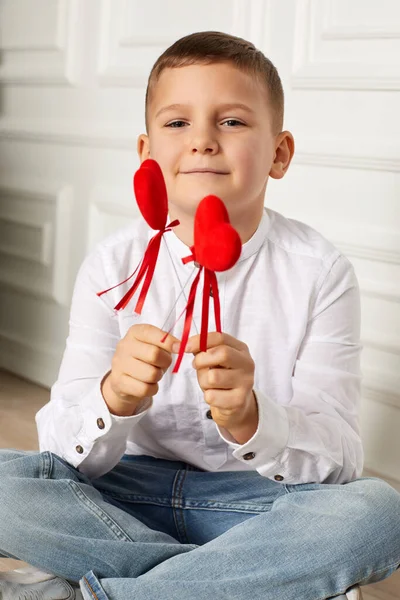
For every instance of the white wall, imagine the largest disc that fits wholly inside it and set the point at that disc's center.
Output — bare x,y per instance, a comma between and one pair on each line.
73,77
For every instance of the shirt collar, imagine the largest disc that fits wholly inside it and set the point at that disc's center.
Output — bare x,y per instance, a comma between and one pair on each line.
252,246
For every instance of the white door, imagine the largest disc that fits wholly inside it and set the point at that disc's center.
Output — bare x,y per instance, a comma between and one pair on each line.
73,76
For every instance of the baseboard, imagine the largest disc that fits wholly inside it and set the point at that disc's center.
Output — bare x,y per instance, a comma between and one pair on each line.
38,363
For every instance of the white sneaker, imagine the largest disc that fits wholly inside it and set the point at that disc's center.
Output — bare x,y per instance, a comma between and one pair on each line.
27,574
353,594
28,583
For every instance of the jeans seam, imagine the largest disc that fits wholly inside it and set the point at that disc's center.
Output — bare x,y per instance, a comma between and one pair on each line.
136,499
112,526
47,464
228,510
177,505
95,596
227,507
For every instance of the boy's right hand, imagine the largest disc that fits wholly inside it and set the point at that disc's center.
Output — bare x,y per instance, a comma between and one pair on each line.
140,361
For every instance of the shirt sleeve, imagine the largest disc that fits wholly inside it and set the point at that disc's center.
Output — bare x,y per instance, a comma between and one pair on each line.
315,438
76,423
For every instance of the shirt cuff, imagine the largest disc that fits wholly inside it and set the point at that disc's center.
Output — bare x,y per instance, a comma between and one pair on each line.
98,422
266,449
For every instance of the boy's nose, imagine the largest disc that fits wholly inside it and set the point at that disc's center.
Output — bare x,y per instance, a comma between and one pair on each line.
205,147
204,143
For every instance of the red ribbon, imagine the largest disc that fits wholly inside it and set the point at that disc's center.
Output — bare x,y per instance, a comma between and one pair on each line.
147,267
188,321
210,283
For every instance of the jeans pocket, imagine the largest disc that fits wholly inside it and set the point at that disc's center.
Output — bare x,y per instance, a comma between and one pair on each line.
61,469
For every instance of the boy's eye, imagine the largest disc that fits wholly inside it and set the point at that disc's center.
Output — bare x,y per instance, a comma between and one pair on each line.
179,123
176,124
232,122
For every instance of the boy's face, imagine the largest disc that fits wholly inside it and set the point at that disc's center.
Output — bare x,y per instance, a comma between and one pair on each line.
216,119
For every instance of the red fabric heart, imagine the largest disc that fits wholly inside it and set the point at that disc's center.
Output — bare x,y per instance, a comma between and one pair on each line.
151,196
217,244
151,193
217,247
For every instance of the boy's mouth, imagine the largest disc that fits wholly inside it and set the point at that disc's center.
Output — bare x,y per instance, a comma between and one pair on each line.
202,171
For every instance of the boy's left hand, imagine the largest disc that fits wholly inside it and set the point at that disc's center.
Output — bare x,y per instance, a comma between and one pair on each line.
225,373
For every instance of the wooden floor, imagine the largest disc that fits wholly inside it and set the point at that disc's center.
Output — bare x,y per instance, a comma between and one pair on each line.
20,400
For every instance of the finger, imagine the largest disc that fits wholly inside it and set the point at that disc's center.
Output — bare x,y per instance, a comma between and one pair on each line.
138,389
152,335
142,371
150,354
218,379
220,356
214,339
228,401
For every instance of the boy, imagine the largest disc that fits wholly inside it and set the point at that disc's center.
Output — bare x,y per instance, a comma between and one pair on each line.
238,477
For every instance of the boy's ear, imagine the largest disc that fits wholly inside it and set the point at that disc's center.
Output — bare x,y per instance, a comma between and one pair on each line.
143,147
284,151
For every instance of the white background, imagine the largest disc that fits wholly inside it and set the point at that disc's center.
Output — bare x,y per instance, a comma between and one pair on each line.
73,76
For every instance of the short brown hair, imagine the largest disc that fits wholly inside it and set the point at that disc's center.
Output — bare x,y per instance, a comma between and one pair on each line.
207,47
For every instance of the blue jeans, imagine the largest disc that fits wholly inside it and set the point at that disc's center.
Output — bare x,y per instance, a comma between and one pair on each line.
154,528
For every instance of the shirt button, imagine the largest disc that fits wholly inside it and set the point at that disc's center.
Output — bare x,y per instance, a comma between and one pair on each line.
249,456
100,423
209,414
79,449
278,478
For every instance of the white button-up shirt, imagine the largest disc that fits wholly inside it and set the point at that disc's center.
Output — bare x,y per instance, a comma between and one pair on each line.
293,298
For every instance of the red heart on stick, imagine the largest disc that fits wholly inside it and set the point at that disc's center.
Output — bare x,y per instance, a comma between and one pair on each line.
151,193
217,244
151,196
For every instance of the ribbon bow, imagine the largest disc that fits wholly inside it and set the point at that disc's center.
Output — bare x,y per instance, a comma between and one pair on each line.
151,197
217,247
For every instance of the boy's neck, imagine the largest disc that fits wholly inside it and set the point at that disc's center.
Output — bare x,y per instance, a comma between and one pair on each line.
246,225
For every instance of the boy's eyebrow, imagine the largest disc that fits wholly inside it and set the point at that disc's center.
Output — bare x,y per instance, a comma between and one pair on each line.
227,106
169,107
231,105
